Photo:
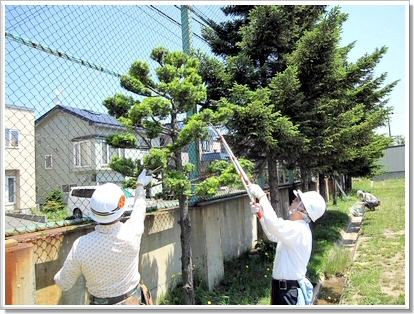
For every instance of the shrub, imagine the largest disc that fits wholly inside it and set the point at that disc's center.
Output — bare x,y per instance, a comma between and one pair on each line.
56,196
53,206
54,201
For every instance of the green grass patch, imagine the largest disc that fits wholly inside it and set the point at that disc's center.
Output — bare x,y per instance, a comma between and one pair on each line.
246,279
377,276
338,261
52,216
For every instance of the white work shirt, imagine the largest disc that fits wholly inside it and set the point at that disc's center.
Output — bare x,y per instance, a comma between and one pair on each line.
368,197
294,244
108,257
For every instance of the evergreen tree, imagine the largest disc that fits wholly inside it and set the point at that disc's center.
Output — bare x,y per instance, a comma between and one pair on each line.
335,105
261,39
179,89
260,131
160,113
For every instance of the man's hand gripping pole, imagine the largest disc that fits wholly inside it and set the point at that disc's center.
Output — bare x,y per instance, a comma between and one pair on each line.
243,176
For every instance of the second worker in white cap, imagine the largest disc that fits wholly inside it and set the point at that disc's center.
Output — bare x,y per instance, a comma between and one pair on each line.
289,285
108,257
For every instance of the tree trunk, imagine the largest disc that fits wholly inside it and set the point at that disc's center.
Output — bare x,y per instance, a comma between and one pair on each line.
335,191
274,186
348,183
187,255
322,186
304,179
185,237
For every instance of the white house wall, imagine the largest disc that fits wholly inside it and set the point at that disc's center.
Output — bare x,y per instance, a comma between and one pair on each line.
19,162
53,137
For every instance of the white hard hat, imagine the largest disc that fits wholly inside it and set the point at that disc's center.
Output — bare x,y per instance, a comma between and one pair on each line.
314,203
107,203
359,192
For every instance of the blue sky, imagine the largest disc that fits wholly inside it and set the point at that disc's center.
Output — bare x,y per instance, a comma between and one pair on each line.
371,24
374,26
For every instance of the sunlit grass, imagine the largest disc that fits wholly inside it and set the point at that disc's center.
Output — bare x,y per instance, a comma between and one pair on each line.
247,279
338,261
381,256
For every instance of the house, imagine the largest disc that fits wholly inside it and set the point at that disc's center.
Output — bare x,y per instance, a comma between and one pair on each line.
20,179
393,163
71,150
209,149
207,158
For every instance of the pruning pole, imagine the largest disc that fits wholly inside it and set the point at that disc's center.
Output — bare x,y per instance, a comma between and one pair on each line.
239,169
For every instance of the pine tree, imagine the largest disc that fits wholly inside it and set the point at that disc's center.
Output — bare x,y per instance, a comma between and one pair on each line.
335,105
260,38
179,89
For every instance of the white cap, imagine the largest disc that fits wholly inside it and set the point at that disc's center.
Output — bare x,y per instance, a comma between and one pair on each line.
314,203
107,203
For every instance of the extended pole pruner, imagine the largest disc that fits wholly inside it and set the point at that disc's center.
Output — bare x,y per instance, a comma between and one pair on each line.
243,176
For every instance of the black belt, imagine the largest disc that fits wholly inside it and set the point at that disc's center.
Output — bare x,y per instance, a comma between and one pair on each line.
282,284
113,300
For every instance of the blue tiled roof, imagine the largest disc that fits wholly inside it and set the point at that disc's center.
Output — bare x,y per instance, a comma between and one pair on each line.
85,114
214,156
181,126
100,118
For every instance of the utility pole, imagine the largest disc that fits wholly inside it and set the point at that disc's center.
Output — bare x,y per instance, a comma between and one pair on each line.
389,126
187,38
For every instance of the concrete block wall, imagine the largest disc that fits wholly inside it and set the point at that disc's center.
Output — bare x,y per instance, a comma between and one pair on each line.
220,229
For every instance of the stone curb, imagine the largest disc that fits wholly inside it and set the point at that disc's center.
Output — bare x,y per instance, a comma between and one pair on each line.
349,239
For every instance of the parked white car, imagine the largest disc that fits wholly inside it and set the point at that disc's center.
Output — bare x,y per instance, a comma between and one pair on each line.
79,200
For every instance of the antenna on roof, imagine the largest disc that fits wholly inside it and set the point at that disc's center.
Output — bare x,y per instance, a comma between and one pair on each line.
57,99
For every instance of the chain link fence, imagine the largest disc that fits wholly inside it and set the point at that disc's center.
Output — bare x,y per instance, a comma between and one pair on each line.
62,62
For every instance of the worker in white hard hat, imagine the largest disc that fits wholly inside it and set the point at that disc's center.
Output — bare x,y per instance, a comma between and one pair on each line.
294,244
108,257
369,200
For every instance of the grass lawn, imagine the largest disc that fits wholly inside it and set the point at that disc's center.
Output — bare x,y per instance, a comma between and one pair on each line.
376,275
378,272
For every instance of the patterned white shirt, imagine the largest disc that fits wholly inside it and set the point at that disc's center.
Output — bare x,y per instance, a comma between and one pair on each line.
108,257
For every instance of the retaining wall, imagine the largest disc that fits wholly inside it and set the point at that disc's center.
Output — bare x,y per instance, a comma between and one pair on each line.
220,230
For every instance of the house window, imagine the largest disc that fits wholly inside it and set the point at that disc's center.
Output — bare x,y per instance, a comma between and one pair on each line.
109,152
284,176
142,143
10,191
48,161
162,141
12,138
121,152
206,146
66,187
82,154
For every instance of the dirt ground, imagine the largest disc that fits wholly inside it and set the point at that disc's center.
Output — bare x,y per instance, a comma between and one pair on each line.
332,288
331,291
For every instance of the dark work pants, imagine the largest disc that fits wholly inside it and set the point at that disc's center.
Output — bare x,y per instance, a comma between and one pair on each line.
283,297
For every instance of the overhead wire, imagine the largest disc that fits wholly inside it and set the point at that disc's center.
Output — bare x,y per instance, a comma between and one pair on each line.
169,30
202,24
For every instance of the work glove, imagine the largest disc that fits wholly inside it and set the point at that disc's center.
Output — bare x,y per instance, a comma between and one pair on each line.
254,209
143,178
256,191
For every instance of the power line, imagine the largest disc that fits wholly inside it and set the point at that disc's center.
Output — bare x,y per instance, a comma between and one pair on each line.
193,9
165,15
195,34
169,30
